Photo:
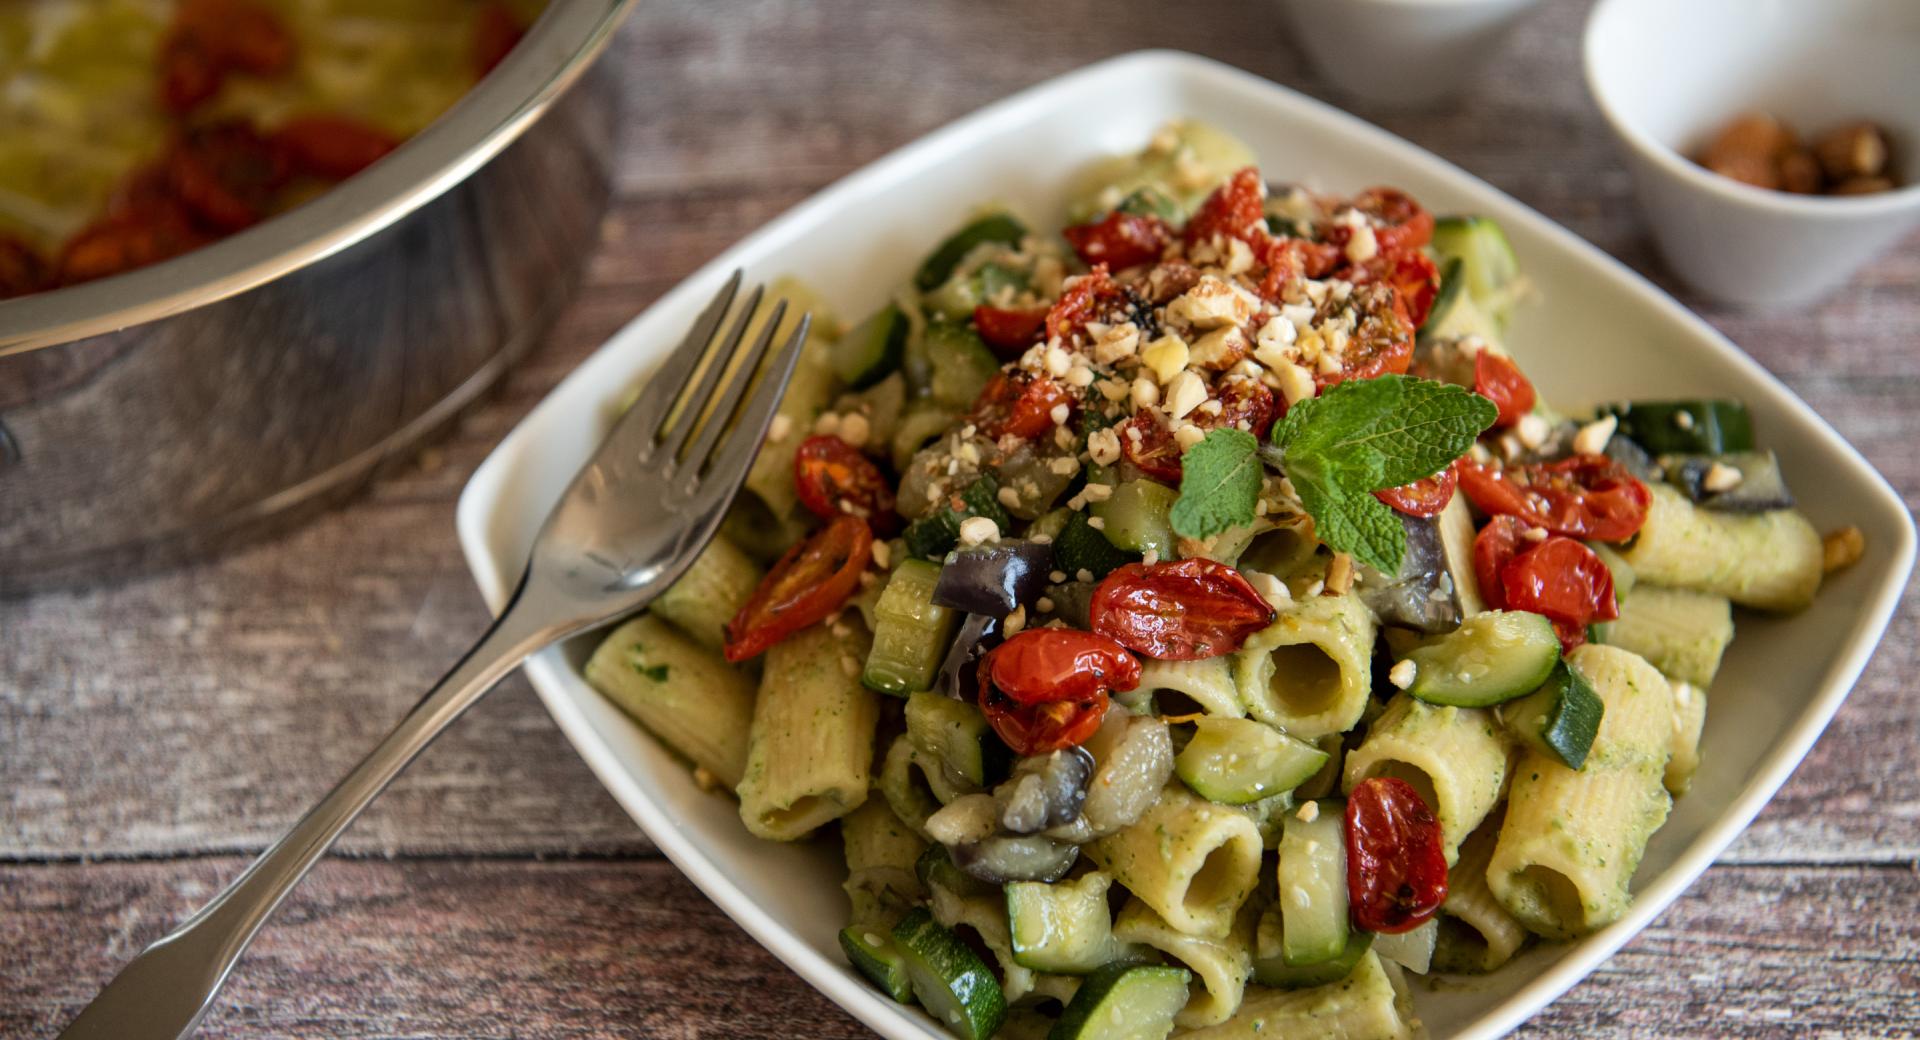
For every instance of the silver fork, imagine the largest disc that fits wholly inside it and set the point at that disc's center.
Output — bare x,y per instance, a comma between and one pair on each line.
627,527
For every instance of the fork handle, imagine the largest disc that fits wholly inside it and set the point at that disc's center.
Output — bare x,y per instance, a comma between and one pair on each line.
163,992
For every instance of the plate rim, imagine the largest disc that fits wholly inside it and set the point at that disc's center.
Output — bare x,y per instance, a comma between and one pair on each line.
550,673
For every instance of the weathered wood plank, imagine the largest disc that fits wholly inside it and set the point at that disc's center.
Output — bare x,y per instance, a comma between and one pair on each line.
489,948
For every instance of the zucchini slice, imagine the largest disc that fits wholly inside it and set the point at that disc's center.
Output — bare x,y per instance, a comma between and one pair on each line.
910,631
935,869
1236,761
1124,1002
939,266
1137,515
1560,719
1693,426
955,733
873,348
1313,886
1489,270
1064,927
1081,547
1491,658
1760,487
876,957
960,362
1270,968
952,982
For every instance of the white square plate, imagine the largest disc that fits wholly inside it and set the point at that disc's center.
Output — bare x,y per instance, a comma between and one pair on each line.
1596,332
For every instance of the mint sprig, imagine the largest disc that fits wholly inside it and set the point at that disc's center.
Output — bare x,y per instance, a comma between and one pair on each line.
1219,484
1367,435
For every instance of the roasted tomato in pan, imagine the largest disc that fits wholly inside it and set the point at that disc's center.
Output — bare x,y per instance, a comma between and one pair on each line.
1148,442
1181,610
833,478
332,147
1120,240
1020,403
21,269
1424,497
1396,862
1584,496
1009,331
226,173
810,582
1047,688
211,38
126,240
1498,379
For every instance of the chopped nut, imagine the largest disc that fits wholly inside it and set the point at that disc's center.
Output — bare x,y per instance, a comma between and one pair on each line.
1402,672
1103,446
1097,523
1187,435
1296,383
1165,357
1066,464
1016,621
1532,430
1146,393
976,530
778,429
1593,437
1212,304
1060,413
1080,376
1185,394
1044,604
827,425
882,553
1842,549
854,429
1220,349
1117,342
1097,492
1009,497
1854,150
1340,574
1057,360
1721,478
1271,589
1308,812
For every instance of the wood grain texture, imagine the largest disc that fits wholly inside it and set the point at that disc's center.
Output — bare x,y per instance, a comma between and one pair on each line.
183,717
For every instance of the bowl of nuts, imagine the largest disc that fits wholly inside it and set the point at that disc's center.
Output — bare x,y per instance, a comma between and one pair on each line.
1772,144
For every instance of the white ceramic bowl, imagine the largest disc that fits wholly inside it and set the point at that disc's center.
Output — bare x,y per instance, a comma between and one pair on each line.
1602,333
1403,52
1667,74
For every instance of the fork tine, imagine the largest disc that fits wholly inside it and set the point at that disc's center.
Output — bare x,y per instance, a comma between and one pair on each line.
734,390
695,402
655,403
733,456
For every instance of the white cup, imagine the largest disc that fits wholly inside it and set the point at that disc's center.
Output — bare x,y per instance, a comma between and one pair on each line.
1402,52
1668,74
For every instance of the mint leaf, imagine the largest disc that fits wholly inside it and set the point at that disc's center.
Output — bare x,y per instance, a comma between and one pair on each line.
1366,435
1385,432
1219,484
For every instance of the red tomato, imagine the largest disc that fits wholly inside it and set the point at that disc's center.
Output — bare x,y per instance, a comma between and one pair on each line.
1561,579
1424,497
1009,332
1236,209
226,174
1381,344
1242,399
1035,729
190,73
1059,664
1572,637
1020,403
1121,240
209,39
1497,543
332,147
1149,444
495,34
1498,379
1181,610
126,241
21,269
811,581
1288,259
1401,225
1396,864
1583,496
1414,278
1157,454
834,478
1080,303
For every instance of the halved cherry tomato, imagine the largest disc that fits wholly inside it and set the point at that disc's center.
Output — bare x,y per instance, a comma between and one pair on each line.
1121,240
1009,331
1242,399
496,33
332,147
1181,610
811,581
1424,497
1289,259
1035,729
1236,209
1148,443
21,269
1396,862
1498,379
226,173
210,38
834,478
1583,496
1020,403
1561,579
1055,664
126,241
1414,278
1497,543
1381,344
1401,225
1081,302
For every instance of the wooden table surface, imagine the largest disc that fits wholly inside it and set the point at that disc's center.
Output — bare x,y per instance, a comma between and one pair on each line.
155,734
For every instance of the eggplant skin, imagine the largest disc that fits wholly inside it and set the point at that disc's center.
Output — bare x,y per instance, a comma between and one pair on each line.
1421,597
994,579
1004,858
1045,791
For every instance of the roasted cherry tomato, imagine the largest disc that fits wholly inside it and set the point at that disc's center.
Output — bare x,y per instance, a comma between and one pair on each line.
1055,664
21,269
1243,399
1396,863
1121,240
811,581
1009,331
332,147
1236,209
1288,259
1424,497
226,174
1401,225
1583,496
1020,403
1414,278
211,38
1498,379
834,478
1181,610
1148,443
1082,302
496,33
128,240
1381,344
1035,729
1497,543
1561,579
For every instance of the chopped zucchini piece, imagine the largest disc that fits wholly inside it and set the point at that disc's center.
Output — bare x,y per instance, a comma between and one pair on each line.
1491,658
955,733
952,982
1560,719
1313,885
1706,427
932,537
876,957
1125,1002
873,348
910,633
995,227
1488,267
1756,487
1236,761
961,363
1451,280
1270,968
1136,517
1080,547
1064,927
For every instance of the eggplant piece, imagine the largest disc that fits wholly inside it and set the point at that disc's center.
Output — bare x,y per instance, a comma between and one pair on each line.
1421,596
958,676
1135,757
1044,791
966,819
1760,487
1628,453
1005,858
994,579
